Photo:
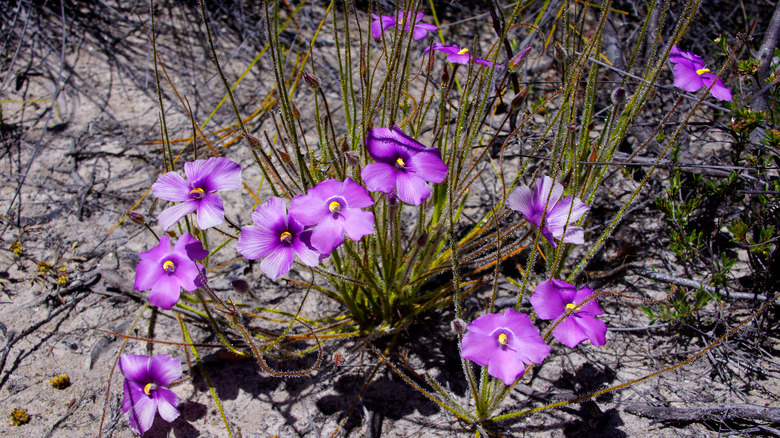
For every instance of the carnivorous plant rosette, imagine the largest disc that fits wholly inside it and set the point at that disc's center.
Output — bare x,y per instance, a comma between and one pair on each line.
506,342
402,164
277,236
560,213
165,271
145,393
692,75
554,298
333,208
197,192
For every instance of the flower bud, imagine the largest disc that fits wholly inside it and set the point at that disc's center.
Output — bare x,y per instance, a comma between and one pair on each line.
518,59
311,80
423,239
392,199
618,96
445,75
458,326
137,219
560,52
240,285
519,98
353,159
296,113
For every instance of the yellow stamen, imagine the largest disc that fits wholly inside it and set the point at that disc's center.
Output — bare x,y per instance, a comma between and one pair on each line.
570,307
285,237
148,388
463,51
502,339
334,207
701,71
400,162
169,266
196,192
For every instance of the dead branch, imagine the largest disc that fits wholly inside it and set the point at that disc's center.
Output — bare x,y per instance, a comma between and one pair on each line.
721,413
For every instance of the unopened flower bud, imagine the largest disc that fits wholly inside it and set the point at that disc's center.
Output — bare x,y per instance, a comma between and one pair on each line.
240,285
458,326
445,75
311,80
137,219
560,52
519,98
518,59
296,113
618,96
423,239
353,159
392,199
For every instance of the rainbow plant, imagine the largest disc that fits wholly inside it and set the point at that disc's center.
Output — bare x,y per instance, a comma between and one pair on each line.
373,215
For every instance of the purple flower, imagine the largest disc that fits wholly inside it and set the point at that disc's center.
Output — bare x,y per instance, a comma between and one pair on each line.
402,164
505,342
334,208
204,177
166,271
690,74
458,55
553,298
384,22
145,392
278,237
560,212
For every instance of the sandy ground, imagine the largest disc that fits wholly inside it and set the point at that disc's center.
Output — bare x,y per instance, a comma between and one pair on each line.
83,149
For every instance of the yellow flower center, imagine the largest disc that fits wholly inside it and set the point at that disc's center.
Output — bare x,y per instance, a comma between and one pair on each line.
570,307
463,51
701,71
502,339
285,237
169,266
197,193
400,162
334,207
149,388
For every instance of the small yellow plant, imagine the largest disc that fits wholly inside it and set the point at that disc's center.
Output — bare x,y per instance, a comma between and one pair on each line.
19,417
60,382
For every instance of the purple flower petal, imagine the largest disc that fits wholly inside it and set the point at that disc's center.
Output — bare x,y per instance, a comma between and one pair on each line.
278,262
171,215
256,242
134,367
192,247
569,333
327,236
308,209
429,166
594,328
718,90
304,250
130,388
412,189
165,293
146,274
575,235
166,404
521,200
379,177
532,348
478,347
546,301
358,223
506,365
421,30
687,78
355,195
143,413
164,369
210,211
214,174
381,24
170,186
678,56
486,324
